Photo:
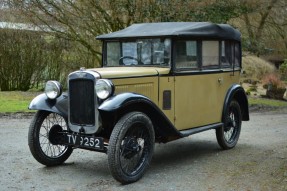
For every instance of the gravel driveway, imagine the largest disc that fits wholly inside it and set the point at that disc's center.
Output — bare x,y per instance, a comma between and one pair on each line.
258,162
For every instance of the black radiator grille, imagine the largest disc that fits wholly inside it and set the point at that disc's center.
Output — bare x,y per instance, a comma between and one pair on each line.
82,102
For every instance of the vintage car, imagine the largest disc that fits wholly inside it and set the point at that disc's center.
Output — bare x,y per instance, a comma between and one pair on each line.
158,82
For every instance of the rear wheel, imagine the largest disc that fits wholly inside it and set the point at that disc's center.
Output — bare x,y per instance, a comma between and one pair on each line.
40,139
228,135
131,147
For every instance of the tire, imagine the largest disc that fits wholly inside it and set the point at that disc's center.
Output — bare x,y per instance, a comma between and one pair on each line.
131,147
40,146
228,135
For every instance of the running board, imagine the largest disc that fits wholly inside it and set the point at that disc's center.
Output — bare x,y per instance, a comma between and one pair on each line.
192,131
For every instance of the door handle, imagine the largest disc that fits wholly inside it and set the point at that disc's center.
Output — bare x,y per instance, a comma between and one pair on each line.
220,80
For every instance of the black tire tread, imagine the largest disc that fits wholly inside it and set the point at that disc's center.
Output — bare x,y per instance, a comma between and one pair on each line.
114,143
34,143
220,131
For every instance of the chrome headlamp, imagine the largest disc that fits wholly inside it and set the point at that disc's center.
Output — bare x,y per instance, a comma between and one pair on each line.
53,89
104,88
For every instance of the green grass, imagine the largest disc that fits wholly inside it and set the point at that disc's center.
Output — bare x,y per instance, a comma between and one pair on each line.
266,102
11,102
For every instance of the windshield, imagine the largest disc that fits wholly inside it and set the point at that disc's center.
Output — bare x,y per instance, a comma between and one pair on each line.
142,52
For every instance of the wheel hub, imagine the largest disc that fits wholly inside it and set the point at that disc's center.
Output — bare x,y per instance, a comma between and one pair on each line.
230,123
54,136
131,148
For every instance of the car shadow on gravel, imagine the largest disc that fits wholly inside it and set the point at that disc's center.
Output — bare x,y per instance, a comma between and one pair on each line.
178,154
83,164
181,152
187,153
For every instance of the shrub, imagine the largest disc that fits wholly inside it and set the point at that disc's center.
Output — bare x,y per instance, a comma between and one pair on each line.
248,92
29,58
256,68
26,58
252,88
283,70
272,80
275,87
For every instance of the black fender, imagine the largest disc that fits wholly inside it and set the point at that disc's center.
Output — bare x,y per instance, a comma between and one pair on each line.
237,92
112,109
58,105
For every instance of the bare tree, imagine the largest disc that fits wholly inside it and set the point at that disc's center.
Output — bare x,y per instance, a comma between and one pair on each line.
278,23
266,20
82,20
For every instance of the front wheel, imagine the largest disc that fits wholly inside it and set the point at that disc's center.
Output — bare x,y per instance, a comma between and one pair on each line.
131,147
41,130
228,135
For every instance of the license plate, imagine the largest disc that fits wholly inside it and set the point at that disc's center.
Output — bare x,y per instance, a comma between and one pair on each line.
91,142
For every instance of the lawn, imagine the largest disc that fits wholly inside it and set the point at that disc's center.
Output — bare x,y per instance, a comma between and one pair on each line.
11,102
266,102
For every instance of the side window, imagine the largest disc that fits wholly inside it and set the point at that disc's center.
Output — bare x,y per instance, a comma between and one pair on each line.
151,51
186,55
210,54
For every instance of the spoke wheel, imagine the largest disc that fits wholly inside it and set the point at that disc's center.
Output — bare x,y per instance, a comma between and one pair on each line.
228,135
42,128
131,147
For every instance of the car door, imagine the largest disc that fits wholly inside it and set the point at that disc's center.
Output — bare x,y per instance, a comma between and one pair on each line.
199,84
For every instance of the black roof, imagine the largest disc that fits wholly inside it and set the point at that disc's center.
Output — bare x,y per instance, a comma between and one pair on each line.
175,29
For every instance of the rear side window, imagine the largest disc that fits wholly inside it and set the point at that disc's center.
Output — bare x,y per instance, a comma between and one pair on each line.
230,54
237,55
186,55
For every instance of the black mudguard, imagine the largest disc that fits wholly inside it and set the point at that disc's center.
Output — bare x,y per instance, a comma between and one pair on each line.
59,105
112,109
237,92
